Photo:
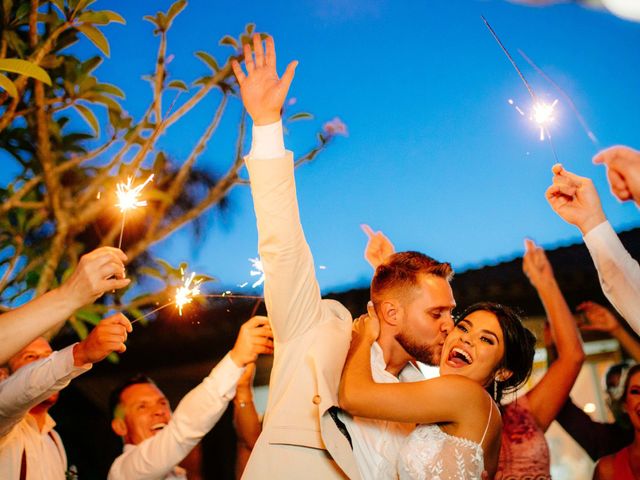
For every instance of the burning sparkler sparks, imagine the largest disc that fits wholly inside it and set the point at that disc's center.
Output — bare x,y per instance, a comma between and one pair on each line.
129,199
257,269
186,292
542,115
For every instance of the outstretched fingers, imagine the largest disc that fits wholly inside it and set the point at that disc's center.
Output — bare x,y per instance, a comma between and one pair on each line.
248,58
270,59
258,50
237,70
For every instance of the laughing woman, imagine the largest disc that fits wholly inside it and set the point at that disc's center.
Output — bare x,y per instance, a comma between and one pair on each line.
459,424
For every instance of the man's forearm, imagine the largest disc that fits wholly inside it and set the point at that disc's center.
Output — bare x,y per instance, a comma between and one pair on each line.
24,324
619,273
34,383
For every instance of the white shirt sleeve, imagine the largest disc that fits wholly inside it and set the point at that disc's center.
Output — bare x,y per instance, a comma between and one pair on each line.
33,383
195,415
619,273
267,142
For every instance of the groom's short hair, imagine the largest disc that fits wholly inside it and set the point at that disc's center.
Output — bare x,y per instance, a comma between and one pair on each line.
402,270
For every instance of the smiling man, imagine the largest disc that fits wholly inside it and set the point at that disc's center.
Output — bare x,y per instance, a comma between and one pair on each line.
155,441
29,446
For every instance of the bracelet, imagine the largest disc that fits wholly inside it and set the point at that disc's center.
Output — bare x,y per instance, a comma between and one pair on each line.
243,404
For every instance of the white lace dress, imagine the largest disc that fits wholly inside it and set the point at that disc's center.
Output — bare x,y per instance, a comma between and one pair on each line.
431,454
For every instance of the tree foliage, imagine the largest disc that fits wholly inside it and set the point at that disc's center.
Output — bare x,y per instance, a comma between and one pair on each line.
60,204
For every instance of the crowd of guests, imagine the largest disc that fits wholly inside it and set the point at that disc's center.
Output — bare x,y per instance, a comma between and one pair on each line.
346,399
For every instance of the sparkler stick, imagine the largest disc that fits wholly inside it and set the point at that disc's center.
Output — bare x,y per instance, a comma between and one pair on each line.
506,52
151,312
129,199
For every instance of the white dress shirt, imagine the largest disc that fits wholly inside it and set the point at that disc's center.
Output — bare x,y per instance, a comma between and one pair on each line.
619,273
376,443
19,432
196,414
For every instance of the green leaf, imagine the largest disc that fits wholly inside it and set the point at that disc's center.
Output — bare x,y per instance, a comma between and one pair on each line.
80,328
25,68
89,117
151,19
250,28
82,4
175,9
179,85
151,272
96,37
135,313
300,116
209,60
229,40
92,17
8,86
114,17
88,316
110,89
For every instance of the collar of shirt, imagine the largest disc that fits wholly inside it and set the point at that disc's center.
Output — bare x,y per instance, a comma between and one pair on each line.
410,373
49,424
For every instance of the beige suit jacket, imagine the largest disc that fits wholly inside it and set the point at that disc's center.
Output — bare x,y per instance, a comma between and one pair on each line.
311,335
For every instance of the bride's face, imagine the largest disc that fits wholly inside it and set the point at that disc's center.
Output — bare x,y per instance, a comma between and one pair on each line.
474,348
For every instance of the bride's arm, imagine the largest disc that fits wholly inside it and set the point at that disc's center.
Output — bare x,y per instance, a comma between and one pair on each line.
450,398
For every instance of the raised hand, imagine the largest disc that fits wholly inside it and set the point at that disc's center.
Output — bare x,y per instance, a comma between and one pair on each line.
535,264
255,337
106,337
263,93
623,171
99,271
575,199
598,318
378,248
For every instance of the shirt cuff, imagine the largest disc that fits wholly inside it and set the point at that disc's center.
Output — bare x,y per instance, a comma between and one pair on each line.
68,362
600,235
223,379
267,142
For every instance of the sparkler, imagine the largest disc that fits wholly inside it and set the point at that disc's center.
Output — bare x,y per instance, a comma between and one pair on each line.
129,199
541,113
567,98
186,292
257,269
184,295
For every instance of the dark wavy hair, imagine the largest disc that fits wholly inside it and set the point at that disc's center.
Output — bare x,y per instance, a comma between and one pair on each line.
519,346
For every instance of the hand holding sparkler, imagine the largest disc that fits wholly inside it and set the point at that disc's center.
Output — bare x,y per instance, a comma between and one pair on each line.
97,272
263,93
106,337
623,171
255,337
575,199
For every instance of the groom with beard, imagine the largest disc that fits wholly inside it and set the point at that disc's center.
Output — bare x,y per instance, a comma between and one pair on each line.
304,434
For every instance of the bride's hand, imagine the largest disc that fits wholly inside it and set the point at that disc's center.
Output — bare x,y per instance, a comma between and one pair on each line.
367,326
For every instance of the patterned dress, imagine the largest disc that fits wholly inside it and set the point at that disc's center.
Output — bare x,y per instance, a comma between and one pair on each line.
524,453
431,454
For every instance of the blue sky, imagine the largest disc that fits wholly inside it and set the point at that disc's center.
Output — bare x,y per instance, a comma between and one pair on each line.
435,156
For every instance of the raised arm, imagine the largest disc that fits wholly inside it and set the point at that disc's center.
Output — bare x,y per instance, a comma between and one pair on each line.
33,383
97,272
292,294
451,398
576,200
600,319
246,420
378,248
551,392
197,412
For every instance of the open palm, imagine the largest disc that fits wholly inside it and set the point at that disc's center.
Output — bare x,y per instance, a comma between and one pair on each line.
263,92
